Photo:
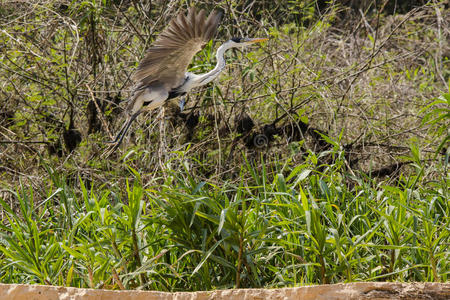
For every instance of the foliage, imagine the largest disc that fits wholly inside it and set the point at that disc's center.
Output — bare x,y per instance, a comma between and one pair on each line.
303,226
319,157
437,114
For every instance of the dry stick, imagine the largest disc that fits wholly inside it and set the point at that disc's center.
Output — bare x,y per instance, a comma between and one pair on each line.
25,71
162,139
22,142
288,114
3,66
312,83
217,133
21,43
66,72
438,65
132,26
91,277
100,113
19,142
238,269
17,173
142,276
366,66
117,279
287,111
369,61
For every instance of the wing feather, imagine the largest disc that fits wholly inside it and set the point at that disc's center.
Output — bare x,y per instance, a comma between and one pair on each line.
211,24
200,19
191,20
183,26
166,61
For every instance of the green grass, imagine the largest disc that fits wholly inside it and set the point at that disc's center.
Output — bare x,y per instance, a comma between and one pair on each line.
191,201
281,226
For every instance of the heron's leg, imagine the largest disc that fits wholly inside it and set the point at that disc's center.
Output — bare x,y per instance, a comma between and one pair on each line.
119,134
123,131
182,102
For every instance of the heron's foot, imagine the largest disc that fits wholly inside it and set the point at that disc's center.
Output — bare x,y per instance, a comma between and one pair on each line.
119,137
111,149
182,103
112,146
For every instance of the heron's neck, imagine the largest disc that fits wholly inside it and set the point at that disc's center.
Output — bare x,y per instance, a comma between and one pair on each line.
206,78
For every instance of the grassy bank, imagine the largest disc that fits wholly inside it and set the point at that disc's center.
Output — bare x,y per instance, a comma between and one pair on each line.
280,226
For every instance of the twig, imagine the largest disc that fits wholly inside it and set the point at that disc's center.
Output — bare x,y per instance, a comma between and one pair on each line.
22,142
117,279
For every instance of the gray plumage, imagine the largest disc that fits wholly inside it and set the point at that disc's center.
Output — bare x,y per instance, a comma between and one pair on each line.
167,60
162,73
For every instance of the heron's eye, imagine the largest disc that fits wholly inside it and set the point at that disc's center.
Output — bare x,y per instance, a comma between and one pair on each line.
236,39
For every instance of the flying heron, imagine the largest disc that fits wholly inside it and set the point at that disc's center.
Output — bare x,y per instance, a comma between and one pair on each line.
162,73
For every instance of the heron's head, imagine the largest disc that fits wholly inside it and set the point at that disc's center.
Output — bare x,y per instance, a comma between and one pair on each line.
243,42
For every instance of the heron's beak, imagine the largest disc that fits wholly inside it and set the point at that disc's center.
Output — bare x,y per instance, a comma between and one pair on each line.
256,40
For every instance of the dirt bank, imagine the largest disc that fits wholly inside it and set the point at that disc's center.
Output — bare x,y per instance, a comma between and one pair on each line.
360,290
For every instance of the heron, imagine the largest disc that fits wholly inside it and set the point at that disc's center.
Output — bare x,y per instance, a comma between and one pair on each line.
162,74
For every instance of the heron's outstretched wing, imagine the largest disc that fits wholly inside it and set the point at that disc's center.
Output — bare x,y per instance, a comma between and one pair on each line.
169,56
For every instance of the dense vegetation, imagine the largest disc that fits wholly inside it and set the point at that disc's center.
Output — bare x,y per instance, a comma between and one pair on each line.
319,157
